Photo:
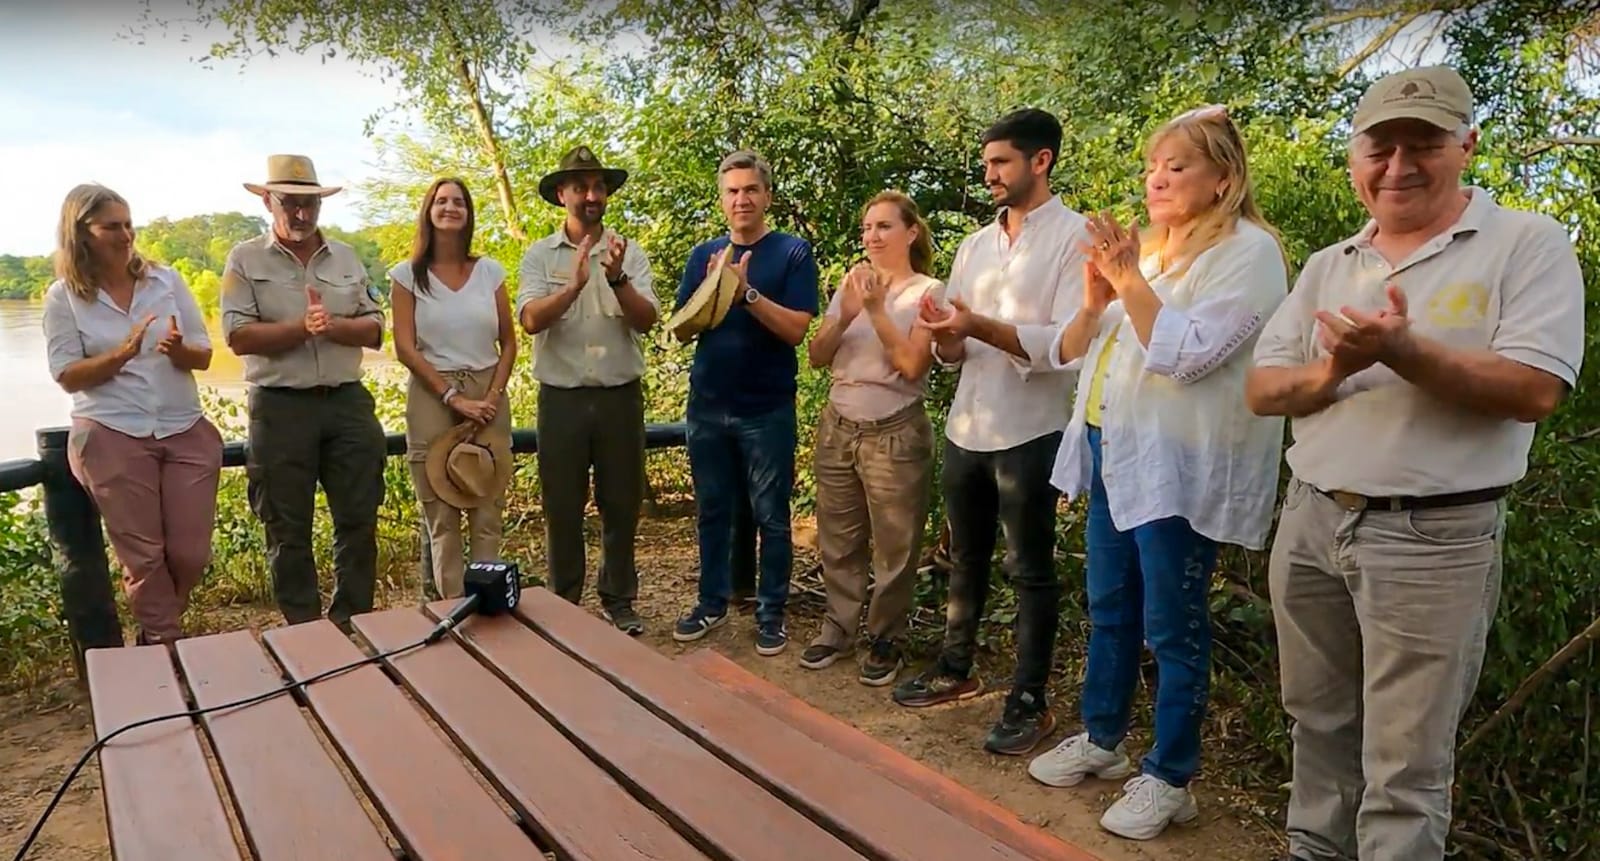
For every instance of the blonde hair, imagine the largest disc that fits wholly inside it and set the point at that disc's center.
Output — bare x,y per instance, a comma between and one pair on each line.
75,264
1210,132
910,216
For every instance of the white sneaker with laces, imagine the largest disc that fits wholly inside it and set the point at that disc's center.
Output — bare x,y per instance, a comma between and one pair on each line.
1147,806
1069,762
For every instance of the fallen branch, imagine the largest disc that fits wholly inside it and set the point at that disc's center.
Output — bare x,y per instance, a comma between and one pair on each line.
1522,817
1525,690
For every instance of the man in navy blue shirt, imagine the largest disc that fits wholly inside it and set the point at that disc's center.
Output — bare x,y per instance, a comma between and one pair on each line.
741,411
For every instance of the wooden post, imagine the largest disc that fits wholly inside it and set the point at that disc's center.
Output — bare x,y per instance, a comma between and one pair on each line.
87,598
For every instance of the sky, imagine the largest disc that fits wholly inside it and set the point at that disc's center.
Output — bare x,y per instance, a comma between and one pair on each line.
81,104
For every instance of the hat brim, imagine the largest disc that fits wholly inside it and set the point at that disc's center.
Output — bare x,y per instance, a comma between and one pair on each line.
707,306
437,470
293,188
1441,118
614,177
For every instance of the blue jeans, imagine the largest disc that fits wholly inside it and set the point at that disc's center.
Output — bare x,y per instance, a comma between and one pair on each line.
762,446
1149,583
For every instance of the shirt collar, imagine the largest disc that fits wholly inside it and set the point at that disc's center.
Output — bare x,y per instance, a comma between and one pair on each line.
1051,208
560,238
1474,218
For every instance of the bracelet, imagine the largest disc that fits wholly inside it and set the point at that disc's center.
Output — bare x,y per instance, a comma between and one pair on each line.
449,393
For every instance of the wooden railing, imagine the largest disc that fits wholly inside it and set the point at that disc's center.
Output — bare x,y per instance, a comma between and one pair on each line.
88,600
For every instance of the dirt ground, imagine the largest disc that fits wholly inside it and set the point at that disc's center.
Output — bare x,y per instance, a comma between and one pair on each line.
43,731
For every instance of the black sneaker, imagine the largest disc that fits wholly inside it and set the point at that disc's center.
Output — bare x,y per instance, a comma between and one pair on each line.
697,624
819,657
625,619
771,638
881,664
936,685
1025,722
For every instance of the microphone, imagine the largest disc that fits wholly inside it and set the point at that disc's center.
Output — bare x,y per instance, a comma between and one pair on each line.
491,588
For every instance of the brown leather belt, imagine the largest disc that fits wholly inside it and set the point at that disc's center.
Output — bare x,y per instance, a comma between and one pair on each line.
1357,502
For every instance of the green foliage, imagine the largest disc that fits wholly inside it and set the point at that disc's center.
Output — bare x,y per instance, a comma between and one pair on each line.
25,277
33,636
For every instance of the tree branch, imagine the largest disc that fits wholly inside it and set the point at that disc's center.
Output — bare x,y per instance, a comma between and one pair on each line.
1377,43
1556,143
1524,691
483,121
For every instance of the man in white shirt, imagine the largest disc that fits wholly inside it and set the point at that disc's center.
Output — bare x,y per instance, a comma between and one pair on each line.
585,295
1013,284
1413,360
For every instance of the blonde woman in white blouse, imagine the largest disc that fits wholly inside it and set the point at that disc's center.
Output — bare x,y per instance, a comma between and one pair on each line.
453,330
1171,460
125,337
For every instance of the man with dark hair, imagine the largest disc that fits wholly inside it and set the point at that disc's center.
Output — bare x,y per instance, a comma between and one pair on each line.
1013,284
741,411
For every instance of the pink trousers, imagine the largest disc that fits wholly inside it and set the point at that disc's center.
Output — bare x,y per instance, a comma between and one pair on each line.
158,499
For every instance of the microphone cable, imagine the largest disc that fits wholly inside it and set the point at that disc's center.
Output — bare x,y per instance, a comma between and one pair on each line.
38,826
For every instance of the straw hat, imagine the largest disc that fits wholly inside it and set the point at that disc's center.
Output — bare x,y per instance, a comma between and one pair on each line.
709,304
469,466
291,174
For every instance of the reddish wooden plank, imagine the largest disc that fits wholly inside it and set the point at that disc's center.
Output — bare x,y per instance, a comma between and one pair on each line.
161,802
424,791
864,808
731,816
576,807
291,799
941,791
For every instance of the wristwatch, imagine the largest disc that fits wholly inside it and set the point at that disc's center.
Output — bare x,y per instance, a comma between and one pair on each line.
621,280
751,294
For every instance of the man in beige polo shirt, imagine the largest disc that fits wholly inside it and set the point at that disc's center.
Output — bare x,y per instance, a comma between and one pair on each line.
585,294
1413,359
300,308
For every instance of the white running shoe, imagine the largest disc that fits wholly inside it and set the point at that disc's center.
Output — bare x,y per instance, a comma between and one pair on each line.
1069,762
1147,806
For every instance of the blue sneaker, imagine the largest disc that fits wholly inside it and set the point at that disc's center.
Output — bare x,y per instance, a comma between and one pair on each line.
771,638
697,624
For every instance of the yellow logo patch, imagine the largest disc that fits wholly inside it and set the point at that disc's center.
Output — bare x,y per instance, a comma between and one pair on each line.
1458,306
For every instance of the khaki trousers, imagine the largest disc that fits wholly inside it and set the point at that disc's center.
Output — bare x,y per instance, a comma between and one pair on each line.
1382,617
426,418
872,491
158,498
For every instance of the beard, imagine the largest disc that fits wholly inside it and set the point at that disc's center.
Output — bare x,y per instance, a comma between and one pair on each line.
590,214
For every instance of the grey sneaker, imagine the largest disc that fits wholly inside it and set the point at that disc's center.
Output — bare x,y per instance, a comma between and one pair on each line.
626,620
881,664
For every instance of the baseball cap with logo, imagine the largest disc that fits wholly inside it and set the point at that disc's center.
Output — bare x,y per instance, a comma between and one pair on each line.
1433,94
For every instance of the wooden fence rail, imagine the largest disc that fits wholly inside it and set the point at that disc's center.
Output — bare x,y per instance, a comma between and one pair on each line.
87,599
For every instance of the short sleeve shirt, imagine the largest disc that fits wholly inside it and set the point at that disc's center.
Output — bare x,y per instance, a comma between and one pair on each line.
457,330
263,282
1502,280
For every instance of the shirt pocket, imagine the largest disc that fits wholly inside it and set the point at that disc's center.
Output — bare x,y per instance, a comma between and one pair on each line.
341,292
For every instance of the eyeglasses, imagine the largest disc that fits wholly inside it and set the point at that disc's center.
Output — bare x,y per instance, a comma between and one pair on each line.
299,202
1204,112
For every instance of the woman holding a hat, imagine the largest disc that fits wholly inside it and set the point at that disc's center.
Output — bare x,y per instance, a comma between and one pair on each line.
125,337
453,331
874,445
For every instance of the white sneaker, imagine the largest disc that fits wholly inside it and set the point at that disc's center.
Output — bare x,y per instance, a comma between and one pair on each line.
1147,806
1069,762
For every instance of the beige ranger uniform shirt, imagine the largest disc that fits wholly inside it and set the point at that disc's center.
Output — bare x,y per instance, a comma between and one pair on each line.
263,282
1503,280
591,344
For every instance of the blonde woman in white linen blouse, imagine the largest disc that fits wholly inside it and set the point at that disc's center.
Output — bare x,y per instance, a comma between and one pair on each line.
1172,461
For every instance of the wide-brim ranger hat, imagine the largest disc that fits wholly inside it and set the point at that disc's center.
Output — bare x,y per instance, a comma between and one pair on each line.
292,174
709,303
579,160
1436,95
469,466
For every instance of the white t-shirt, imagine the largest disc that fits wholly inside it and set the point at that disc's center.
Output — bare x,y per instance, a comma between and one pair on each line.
457,330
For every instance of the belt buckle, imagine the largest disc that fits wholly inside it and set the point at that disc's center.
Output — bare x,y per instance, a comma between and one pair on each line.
1349,501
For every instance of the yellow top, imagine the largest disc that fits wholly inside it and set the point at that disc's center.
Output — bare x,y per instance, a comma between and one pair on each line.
1097,383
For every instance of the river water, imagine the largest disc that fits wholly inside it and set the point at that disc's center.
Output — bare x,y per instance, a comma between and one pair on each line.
33,400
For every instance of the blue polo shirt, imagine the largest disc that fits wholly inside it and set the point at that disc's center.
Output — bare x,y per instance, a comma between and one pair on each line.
741,366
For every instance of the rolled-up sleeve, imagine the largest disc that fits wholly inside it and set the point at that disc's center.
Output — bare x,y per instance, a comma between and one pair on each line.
63,341
238,300
531,281
636,265
191,323
1541,304
1241,290
1039,340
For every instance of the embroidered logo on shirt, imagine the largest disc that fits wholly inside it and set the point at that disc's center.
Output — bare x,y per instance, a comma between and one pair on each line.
1460,305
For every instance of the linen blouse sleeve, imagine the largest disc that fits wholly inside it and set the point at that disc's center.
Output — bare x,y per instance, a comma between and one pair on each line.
1240,286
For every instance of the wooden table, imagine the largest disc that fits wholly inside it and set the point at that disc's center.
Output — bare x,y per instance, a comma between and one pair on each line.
546,733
